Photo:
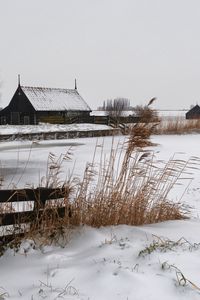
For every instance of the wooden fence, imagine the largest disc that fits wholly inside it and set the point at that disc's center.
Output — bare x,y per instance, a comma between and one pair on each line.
37,201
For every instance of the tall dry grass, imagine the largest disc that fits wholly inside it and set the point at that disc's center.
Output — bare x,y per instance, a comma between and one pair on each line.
177,125
134,194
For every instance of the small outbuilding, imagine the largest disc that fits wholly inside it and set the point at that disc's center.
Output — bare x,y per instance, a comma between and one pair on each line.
32,105
193,113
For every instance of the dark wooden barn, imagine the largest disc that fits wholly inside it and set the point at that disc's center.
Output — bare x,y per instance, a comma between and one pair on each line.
32,105
193,113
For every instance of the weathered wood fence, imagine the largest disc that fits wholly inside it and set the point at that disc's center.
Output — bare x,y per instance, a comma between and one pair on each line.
36,200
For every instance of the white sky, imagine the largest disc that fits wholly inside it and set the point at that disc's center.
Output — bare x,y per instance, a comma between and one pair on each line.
131,48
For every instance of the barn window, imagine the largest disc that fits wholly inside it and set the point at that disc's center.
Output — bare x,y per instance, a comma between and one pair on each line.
3,120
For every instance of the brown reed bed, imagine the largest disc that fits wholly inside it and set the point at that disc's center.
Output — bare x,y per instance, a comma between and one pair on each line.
135,194
177,125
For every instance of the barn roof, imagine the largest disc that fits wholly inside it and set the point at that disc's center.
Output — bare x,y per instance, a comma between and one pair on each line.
194,110
54,99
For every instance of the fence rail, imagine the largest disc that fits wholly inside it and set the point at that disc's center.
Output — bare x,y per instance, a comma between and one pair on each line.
39,198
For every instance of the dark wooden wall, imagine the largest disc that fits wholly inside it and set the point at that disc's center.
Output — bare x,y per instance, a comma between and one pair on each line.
194,113
18,108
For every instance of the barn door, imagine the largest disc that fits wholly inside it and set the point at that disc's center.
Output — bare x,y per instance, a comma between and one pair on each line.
26,120
15,119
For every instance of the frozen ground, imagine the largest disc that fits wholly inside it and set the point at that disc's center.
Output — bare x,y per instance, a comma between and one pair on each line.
161,113
13,129
172,114
104,263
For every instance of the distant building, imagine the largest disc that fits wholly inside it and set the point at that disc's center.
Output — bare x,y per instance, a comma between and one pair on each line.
31,105
193,113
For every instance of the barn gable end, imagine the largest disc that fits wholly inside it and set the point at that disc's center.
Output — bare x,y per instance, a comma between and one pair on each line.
19,111
193,113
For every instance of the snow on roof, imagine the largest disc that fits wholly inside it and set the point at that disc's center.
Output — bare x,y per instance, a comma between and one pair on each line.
55,99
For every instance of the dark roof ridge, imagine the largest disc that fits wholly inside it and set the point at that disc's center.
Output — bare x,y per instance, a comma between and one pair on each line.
195,107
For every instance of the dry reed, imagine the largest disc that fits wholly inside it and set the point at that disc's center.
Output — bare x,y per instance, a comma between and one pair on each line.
136,193
177,125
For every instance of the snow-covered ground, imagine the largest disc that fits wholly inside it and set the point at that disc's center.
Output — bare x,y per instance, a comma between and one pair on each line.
106,263
172,114
162,113
14,129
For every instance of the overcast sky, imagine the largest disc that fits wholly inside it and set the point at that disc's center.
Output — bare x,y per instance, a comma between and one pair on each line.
115,48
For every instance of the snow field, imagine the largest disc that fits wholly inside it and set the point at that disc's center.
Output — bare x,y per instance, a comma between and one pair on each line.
104,263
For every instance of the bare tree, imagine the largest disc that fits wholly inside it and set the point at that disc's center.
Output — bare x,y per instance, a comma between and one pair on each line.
116,106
